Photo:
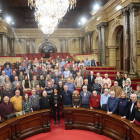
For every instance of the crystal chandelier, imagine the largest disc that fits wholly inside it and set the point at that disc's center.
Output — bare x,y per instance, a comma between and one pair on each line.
48,13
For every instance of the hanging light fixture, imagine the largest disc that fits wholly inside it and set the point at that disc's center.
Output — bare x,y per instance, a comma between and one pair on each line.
48,13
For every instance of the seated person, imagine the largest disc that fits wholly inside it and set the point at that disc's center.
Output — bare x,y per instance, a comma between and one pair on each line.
44,101
42,82
86,62
137,114
93,63
7,82
34,82
71,86
17,102
38,91
26,83
94,102
55,100
7,92
78,80
123,105
12,77
91,78
85,97
117,89
7,109
107,80
15,82
137,92
34,100
86,84
132,106
67,97
104,99
128,89
26,105
112,104
16,65
97,87
76,99
18,88
49,89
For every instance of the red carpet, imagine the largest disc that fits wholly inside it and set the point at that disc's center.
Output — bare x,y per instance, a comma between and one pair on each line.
59,133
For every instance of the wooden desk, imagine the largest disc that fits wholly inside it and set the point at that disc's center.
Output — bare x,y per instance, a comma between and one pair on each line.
26,125
99,122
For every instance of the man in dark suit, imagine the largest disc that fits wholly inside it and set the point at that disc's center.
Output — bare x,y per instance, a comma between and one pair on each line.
38,91
30,64
131,107
20,70
86,84
12,77
16,65
91,78
7,63
43,72
85,73
18,88
28,74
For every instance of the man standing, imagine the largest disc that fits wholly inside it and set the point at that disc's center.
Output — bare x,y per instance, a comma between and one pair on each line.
94,101
15,82
67,97
7,63
8,71
85,96
17,87
16,65
91,78
66,73
17,102
85,73
86,84
71,86
49,90
112,104
2,78
97,87
12,77
28,74
117,89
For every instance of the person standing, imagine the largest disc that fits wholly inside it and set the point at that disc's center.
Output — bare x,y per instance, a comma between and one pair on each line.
55,100
8,71
93,63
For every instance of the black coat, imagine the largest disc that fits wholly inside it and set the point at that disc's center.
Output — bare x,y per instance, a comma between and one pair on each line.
39,94
52,99
42,83
60,90
18,72
131,115
44,103
88,88
8,64
16,65
20,89
30,76
93,79
12,78
119,80
30,65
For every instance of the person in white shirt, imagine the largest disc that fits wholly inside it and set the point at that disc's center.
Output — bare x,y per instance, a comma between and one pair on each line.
100,80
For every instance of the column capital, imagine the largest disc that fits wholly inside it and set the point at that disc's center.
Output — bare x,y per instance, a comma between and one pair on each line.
89,33
124,11
133,7
32,39
102,25
61,39
81,38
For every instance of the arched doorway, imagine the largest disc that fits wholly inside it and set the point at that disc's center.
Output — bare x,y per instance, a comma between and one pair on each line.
47,48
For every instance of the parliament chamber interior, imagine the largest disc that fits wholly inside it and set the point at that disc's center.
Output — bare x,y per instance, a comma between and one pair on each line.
69,69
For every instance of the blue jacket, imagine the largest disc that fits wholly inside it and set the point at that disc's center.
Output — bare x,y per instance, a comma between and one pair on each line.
71,87
85,100
112,105
97,88
67,97
8,72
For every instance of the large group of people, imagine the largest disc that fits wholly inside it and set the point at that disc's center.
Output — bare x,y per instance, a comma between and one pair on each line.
54,81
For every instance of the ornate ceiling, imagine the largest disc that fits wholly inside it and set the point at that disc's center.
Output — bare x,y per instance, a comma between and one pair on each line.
23,16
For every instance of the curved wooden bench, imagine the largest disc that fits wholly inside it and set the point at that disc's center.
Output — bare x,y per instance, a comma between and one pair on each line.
26,125
99,122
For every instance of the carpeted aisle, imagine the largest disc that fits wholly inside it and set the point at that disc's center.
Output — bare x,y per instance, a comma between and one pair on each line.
59,133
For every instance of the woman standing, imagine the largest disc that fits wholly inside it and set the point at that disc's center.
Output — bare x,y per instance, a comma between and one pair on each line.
123,104
48,79
71,77
34,82
126,79
62,79
100,79
128,89
26,83
21,77
105,86
119,79
7,81
26,105
76,99
78,80
55,100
